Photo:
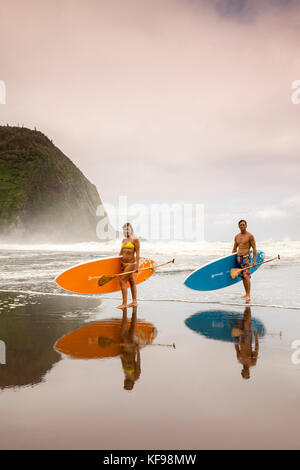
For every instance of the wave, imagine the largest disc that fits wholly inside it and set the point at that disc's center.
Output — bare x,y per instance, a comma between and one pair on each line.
189,246
289,250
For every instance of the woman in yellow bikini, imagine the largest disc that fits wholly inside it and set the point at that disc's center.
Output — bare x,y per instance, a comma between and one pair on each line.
130,252
130,351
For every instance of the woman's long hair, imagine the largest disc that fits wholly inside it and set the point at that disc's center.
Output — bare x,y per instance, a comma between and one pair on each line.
128,226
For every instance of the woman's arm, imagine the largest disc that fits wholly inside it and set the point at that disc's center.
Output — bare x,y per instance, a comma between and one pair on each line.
121,251
138,363
137,251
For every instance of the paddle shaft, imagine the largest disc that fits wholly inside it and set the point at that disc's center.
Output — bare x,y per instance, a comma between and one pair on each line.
151,344
140,344
130,272
258,264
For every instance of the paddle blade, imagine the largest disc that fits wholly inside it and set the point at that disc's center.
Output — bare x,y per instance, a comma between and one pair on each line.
105,279
234,272
236,332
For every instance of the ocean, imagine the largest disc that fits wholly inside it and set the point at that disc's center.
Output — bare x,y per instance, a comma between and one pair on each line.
196,396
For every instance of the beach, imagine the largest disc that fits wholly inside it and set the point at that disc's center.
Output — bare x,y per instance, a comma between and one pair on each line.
142,140
190,397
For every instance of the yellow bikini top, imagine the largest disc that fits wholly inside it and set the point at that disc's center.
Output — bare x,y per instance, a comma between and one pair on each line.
128,245
130,370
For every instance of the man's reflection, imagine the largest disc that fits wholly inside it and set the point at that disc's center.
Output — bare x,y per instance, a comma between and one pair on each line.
241,329
243,338
130,350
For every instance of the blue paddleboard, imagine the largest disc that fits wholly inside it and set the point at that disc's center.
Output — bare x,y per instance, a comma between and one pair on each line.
220,325
216,274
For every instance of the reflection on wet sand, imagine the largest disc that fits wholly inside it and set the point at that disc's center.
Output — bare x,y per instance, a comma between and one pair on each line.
110,338
243,336
130,351
241,329
29,325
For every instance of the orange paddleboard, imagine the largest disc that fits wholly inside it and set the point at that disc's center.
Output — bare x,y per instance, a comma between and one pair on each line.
76,279
88,342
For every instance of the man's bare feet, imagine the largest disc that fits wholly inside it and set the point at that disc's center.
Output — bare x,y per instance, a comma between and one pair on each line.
247,298
122,306
133,304
243,297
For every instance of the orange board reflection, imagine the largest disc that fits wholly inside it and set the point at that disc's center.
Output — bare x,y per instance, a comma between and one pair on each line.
102,339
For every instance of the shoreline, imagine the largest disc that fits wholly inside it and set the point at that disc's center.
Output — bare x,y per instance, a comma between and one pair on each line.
103,298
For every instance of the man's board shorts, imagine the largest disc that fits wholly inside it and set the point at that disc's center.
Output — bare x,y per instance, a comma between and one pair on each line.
244,261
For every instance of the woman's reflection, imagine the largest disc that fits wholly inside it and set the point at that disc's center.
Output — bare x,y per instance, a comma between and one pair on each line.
130,350
111,338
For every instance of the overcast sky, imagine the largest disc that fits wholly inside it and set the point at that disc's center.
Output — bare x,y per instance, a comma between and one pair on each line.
166,100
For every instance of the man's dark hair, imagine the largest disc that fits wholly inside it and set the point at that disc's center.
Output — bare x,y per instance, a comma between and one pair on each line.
242,220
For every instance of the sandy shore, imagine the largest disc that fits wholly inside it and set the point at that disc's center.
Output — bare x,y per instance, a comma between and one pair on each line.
191,397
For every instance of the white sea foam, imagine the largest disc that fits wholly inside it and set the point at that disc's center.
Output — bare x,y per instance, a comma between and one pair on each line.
35,267
289,250
171,300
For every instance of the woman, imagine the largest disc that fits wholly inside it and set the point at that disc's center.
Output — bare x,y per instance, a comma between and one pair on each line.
130,351
130,252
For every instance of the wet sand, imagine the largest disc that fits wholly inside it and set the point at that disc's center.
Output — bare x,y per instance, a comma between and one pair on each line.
191,397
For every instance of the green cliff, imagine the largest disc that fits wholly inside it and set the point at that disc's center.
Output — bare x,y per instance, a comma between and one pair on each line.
43,195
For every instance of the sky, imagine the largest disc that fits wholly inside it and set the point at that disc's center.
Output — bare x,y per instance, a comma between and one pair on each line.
166,101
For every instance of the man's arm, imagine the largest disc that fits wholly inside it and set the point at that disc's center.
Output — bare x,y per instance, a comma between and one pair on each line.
256,344
237,350
253,244
235,246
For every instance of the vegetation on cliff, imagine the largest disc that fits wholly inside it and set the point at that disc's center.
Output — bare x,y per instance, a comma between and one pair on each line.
43,195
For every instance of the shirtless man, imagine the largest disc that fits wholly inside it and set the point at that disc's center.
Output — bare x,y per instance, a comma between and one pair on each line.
243,242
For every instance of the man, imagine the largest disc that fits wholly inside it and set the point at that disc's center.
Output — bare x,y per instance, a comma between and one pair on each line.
242,245
243,338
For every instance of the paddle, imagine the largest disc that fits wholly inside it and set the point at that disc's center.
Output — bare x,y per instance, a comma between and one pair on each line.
105,342
234,272
238,332
105,279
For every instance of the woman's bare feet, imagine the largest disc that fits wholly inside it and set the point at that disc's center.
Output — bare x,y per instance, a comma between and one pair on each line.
122,306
